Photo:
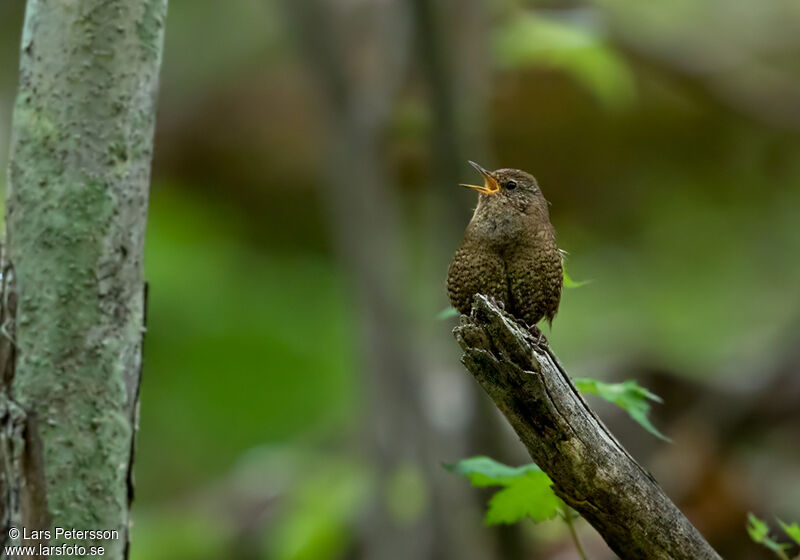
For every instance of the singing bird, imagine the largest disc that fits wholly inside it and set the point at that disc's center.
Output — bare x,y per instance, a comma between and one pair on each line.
509,250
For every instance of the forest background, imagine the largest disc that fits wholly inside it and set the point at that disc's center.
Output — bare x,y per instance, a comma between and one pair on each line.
303,210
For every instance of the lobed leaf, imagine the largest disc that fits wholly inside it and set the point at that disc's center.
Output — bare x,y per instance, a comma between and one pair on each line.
756,528
792,530
485,471
759,533
628,395
527,490
530,496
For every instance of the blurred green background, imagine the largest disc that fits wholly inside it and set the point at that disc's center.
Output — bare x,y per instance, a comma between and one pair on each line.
299,392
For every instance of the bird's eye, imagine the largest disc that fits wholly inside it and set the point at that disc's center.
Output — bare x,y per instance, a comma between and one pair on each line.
511,185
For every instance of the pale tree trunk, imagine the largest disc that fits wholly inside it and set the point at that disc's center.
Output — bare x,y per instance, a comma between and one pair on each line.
73,285
370,235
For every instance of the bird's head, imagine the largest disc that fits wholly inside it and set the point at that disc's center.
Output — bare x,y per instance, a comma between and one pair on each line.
509,187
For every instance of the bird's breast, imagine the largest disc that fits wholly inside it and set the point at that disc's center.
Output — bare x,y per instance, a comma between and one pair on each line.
497,229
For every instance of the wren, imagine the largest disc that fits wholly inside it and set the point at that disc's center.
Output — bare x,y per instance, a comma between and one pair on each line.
509,250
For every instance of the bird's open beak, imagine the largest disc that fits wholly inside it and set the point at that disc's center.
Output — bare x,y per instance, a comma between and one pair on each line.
490,184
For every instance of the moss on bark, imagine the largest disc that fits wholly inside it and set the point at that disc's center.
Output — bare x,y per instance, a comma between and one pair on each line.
76,212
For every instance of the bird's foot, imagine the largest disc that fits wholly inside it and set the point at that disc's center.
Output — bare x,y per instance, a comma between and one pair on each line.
540,341
497,303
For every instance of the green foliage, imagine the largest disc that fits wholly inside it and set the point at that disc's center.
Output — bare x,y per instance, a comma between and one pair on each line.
526,490
575,49
485,471
406,494
628,394
570,283
447,313
792,530
317,521
759,532
531,496
187,534
228,331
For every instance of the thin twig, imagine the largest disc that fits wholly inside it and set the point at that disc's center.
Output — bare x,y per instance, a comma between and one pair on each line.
568,517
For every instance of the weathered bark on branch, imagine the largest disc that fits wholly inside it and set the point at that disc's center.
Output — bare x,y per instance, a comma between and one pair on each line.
590,470
73,282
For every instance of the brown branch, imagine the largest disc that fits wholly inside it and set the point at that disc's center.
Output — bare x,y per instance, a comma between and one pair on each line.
590,470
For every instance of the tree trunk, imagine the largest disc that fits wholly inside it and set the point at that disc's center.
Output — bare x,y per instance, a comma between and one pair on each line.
73,282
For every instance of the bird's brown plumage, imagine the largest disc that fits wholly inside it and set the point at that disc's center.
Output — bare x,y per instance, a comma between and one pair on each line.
509,250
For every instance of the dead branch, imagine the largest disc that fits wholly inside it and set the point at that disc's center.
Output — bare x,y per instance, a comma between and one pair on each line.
590,469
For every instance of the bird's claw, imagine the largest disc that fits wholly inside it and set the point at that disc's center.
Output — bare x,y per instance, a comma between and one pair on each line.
497,303
540,341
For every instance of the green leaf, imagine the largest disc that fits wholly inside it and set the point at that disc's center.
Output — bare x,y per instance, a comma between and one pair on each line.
485,471
756,528
570,283
759,532
792,530
446,313
628,394
530,496
527,490
575,49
